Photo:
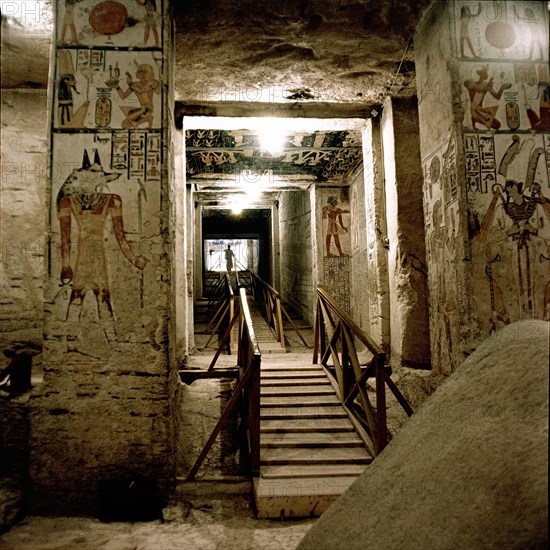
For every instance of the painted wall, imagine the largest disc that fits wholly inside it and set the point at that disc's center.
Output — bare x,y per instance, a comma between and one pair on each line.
334,250
296,256
486,184
104,409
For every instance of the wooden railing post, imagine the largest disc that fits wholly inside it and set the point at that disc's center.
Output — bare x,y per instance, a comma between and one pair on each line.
381,420
254,416
269,302
280,331
351,376
247,390
251,361
231,313
317,346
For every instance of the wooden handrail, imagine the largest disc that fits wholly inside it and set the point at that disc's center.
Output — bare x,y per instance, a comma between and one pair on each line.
365,338
335,332
247,391
271,306
249,361
225,310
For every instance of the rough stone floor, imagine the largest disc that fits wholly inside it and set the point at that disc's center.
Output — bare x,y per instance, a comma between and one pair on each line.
221,522
199,521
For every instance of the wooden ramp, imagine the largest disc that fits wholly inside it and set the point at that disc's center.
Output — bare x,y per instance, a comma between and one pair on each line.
264,334
310,452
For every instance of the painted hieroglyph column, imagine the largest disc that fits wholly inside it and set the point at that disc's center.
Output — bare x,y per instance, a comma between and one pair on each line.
103,410
483,87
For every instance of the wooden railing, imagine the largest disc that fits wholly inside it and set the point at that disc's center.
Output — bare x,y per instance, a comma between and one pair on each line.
269,302
222,314
216,289
247,391
335,336
249,360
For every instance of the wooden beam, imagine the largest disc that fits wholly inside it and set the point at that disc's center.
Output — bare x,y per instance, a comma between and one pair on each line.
226,412
188,376
292,109
225,339
398,395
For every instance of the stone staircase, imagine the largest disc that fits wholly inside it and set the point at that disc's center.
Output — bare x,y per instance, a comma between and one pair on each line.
310,452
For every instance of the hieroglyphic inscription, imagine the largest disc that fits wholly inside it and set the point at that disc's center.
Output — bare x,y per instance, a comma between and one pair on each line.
337,277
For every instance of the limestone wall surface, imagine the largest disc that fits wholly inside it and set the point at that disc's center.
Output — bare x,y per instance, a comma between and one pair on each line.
203,402
296,254
376,236
360,299
23,214
410,344
23,237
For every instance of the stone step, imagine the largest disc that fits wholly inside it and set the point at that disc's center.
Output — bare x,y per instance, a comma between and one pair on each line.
298,497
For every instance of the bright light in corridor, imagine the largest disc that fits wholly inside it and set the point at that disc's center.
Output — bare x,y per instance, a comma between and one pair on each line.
272,139
254,183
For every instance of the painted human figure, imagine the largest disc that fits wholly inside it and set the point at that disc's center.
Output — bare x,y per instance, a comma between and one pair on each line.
540,122
68,21
531,16
83,197
150,21
229,257
67,116
477,91
520,208
441,247
335,225
144,87
67,84
465,16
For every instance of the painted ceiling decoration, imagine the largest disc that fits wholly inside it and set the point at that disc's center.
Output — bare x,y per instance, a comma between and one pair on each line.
321,156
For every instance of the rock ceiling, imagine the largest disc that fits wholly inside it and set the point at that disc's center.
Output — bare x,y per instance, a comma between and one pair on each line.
295,50
284,57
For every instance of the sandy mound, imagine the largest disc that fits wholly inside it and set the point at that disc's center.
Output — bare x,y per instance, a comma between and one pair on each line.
470,468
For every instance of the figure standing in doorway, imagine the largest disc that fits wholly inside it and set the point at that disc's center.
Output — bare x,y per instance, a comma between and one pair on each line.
229,257
335,226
